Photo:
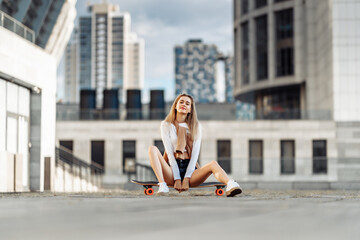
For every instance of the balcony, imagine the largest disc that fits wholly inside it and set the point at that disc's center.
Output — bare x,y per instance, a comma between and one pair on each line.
17,27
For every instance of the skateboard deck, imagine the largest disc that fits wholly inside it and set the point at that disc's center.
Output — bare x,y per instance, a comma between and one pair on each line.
150,184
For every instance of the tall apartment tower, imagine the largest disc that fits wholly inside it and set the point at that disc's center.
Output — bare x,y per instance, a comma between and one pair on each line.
135,71
300,57
195,70
106,51
71,65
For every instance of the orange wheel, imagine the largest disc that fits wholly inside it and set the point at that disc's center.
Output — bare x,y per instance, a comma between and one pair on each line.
150,191
145,191
219,192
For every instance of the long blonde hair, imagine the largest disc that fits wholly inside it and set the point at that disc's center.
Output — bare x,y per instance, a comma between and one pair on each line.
191,118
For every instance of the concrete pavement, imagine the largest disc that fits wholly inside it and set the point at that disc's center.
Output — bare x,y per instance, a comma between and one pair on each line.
255,214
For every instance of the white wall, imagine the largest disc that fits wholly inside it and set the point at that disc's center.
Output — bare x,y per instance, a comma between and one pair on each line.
32,66
2,114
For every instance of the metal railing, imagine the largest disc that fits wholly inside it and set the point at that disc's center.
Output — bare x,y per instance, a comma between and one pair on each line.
17,27
144,172
63,155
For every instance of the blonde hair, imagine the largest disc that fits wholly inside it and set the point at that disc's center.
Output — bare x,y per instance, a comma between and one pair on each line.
191,118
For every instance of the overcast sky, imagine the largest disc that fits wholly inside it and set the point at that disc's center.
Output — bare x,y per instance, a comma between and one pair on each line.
165,23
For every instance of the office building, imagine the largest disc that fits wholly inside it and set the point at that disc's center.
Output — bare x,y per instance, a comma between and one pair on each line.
298,59
110,55
71,86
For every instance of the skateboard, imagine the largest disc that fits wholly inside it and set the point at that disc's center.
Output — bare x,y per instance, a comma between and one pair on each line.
150,184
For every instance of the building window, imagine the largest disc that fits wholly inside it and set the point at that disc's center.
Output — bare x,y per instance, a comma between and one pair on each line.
260,3
245,68
129,156
97,154
284,30
224,154
261,48
280,103
255,156
244,6
319,156
287,156
276,1
159,144
67,144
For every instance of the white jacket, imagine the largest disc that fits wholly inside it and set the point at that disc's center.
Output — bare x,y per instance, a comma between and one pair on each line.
169,138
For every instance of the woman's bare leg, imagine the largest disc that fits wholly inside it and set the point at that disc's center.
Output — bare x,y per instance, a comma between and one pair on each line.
161,169
200,175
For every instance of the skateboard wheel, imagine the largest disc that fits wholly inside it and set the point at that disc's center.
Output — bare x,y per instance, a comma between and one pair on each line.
149,191
219,192
145,192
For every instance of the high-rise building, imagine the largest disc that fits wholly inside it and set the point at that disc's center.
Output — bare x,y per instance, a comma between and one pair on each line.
71,65
110,56
195,70
52,21
135,71
298,57
28,89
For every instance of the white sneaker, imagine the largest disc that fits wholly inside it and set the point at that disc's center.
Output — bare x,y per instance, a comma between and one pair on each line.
163,189
232,188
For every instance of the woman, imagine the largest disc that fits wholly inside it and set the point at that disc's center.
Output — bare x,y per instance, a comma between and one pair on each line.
181,136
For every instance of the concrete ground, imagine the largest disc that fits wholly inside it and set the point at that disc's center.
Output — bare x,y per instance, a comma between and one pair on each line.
255,214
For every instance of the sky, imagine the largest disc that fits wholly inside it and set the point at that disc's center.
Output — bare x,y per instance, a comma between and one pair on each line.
166,23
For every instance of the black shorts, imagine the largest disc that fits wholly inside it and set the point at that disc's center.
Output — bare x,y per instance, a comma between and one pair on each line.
182,164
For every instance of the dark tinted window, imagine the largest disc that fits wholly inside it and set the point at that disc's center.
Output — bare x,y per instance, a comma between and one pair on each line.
245,67
261,47
244,6
159,144
224,154
256,156
97,153
129,156
260,3
67,144
284,31
287,157
319,156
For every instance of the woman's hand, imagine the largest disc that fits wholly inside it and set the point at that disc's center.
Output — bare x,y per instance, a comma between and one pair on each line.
185,184
177,185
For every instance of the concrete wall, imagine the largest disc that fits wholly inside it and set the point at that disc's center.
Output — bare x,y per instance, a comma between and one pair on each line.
348,143
239,132
346,59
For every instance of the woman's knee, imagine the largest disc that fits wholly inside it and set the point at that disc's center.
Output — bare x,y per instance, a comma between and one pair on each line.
214,163
152,149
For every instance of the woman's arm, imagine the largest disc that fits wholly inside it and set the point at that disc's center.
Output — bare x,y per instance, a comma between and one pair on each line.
165,136
194,154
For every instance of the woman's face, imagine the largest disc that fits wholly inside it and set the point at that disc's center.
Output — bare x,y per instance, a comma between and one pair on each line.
183,105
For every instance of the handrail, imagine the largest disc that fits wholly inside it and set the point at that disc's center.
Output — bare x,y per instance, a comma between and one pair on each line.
17,27
144,172
64,155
